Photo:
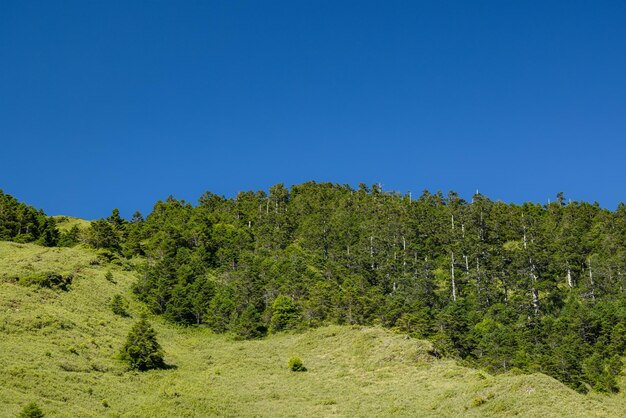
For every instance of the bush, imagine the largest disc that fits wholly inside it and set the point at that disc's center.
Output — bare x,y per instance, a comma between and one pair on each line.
119,305
296,365
478,401
31,410
142,351
49,280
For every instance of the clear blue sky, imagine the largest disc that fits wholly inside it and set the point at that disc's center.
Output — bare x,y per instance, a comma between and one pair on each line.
109,104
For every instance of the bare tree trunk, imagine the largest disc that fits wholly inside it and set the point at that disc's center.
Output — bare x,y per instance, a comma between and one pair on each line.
482,234
453,282
372,250
570,283
524,228
593,297
477,277
535,300
533,290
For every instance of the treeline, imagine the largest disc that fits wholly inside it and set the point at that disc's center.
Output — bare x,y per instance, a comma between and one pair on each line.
22,223
501,286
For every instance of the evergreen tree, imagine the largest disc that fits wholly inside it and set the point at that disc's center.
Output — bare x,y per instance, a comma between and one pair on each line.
284,315
119,306
31,410
141,350
49,235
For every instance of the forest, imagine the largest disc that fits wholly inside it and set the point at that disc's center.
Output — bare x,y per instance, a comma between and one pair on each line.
498,286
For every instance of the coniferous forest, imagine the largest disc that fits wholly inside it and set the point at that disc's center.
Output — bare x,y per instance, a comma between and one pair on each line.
530,287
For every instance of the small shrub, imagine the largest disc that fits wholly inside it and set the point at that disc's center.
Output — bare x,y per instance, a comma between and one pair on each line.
106,256
119,305
478,401
105,403
109,276
296,365
31,410
69,367
49,280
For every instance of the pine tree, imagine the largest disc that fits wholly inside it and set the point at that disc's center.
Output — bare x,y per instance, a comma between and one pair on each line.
142,351
119,305
285,314
31,410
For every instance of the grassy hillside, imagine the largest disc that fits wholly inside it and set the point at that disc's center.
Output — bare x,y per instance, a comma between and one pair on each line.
58,349
65,223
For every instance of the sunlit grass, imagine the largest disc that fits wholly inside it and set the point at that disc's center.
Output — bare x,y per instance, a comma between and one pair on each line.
59,349
65,223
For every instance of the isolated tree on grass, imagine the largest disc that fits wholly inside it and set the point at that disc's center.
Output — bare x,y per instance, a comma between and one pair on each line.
142,351
31,410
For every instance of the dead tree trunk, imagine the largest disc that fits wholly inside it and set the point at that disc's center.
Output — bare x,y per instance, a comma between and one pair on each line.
453,281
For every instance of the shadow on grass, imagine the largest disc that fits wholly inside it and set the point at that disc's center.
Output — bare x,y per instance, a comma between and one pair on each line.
162,366
166,366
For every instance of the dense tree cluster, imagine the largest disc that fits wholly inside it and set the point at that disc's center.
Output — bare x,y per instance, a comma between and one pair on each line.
502,286
22,223
534,287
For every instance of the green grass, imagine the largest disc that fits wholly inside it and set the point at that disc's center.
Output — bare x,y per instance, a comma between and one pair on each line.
59,349
65,223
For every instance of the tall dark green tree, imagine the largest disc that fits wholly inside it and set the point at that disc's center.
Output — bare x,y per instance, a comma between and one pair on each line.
142,350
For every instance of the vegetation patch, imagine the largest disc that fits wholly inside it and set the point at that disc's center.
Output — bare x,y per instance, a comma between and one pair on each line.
141,350
48,280
296,365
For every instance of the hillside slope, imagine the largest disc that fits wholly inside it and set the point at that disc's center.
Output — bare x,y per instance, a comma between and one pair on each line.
59,348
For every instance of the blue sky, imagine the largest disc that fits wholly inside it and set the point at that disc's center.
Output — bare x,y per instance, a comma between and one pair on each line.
109,104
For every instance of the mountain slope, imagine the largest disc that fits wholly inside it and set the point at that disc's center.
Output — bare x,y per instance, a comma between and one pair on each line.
59,348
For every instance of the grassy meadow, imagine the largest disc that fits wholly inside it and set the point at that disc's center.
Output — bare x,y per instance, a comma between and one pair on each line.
58,348
65,223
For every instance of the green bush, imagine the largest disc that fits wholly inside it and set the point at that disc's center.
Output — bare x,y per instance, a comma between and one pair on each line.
296,364
478,401
109,277
49,280
31,410
119,305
